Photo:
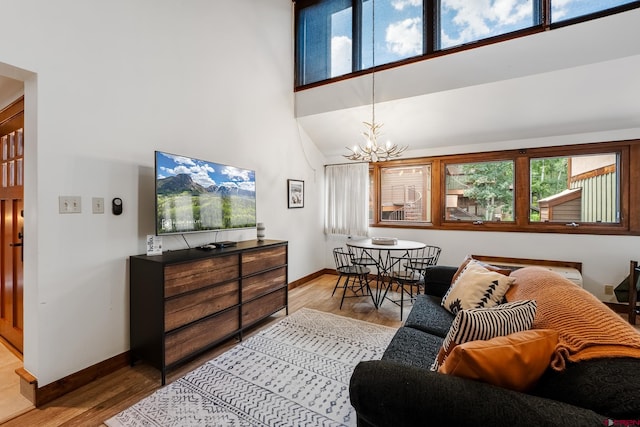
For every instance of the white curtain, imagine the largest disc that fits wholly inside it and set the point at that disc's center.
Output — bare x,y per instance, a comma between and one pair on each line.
347,199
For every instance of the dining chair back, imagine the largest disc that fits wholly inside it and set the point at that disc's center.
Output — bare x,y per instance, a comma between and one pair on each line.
404,282
421,259
360,256
355,276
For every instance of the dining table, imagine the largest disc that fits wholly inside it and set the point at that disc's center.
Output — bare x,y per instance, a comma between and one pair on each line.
381,251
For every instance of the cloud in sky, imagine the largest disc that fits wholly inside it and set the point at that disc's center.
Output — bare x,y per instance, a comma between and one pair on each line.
473,20
340,55
401,4
199,173
404,38
238,178
559,8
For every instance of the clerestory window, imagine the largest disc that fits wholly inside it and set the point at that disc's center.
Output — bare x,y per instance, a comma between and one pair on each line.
336,38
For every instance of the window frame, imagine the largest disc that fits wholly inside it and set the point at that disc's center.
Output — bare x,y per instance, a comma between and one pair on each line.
430,36
427,189
444,189
629,190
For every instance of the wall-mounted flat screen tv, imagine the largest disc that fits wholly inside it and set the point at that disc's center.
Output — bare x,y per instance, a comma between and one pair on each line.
195,195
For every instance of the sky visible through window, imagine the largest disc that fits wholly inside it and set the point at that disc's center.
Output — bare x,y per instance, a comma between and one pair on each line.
399,26
398,31
466,21
341,42
567,9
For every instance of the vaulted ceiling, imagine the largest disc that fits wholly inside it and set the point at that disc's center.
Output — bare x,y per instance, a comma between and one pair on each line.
576,80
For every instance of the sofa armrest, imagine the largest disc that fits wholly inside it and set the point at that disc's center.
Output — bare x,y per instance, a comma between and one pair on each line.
437,279
386,393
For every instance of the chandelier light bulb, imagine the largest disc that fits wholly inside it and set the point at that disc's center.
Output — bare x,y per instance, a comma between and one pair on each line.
371,151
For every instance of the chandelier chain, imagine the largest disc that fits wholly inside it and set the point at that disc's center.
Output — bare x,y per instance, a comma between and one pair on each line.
371,151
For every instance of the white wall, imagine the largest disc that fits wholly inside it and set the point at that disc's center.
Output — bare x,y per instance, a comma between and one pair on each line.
106,84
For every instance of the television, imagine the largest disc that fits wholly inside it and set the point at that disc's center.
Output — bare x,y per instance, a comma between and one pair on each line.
194,195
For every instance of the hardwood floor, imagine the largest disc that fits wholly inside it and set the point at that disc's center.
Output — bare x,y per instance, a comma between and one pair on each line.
105,397
12,402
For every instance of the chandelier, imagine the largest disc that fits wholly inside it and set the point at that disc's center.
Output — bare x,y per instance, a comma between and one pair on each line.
371,150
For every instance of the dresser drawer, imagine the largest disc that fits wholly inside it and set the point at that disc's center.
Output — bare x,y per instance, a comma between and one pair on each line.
258,260
184,302
185,309
187,341
264,283
263,307
184,277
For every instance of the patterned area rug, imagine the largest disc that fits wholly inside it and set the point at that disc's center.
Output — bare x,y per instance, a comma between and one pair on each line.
294,373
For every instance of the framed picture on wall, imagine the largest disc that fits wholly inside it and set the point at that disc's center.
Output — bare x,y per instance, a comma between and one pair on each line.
295,193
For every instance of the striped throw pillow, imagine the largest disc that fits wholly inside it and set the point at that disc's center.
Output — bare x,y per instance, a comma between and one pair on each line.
486,323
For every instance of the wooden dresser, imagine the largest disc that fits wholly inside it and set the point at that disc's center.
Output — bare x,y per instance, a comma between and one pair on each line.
184,302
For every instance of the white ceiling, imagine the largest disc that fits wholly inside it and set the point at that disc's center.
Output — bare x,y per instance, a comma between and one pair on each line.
575,80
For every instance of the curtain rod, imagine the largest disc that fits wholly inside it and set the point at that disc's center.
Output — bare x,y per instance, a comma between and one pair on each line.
340,164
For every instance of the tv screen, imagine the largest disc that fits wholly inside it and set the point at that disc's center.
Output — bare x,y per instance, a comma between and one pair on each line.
196,195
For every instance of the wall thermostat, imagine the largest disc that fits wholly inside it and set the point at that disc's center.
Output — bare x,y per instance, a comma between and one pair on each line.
116,206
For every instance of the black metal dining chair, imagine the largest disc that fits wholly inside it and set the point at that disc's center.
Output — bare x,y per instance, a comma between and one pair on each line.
355,277
404,281
420,260
360,256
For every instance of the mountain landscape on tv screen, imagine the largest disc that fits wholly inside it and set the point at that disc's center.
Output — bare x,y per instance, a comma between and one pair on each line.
184,204
182,183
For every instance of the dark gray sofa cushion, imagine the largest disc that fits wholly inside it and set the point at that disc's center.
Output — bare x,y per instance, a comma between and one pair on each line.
437,279
428,316
607,386
414,348
385,393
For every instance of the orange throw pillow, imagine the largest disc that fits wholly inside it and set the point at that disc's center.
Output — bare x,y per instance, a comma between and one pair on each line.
514,361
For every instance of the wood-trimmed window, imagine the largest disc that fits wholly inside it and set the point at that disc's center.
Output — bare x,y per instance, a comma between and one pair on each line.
333,38
576,189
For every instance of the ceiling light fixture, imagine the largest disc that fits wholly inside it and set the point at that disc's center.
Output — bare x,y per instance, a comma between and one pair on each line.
370,150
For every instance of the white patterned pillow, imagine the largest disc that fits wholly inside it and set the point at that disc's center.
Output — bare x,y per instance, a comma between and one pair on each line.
486,323
476,287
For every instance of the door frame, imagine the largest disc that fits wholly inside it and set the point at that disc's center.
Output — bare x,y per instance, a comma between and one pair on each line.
29,80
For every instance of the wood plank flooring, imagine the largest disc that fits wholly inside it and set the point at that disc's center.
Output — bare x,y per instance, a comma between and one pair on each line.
105,397
12,403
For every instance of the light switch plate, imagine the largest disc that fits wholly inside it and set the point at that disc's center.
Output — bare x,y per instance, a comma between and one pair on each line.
97,204
70,204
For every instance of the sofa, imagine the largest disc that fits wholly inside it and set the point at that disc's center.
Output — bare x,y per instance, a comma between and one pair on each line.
597,384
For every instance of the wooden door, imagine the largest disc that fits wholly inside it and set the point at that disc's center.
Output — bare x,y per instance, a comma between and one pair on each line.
11,223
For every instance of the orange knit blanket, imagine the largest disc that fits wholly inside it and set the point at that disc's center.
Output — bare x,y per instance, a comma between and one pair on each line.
587,328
